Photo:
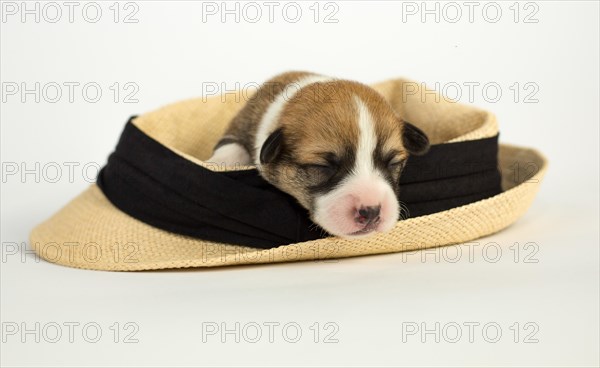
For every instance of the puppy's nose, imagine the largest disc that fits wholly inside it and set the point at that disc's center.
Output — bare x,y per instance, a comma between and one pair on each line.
367,215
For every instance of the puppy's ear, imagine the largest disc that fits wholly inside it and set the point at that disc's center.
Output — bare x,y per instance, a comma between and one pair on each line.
272,147
414,140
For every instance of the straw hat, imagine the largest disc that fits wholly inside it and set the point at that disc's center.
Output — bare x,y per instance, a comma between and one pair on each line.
91,232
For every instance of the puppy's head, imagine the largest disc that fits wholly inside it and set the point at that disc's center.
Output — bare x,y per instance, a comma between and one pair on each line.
339,149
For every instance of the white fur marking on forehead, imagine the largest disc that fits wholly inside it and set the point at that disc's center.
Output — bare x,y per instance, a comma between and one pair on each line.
271,116
367,140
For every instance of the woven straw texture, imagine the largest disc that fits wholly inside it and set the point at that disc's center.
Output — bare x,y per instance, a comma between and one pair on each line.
91,233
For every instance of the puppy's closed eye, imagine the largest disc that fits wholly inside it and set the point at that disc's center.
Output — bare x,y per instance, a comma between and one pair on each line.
394,161
321,171
396,164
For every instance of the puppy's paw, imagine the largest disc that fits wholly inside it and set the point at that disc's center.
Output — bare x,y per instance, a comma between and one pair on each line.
230,155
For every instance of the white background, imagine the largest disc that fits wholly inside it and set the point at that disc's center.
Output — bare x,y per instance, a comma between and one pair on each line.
369,301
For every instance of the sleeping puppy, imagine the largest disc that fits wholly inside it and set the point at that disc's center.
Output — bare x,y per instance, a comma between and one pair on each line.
337,146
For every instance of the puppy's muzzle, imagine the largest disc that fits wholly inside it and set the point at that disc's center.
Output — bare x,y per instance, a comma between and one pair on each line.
362,205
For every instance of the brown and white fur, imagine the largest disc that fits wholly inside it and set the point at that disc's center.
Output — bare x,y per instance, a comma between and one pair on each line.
337,146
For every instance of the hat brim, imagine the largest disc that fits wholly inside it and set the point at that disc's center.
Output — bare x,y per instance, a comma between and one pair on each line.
91,233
